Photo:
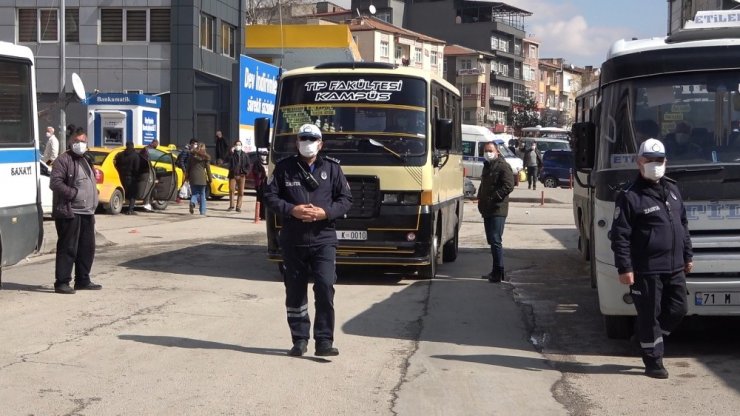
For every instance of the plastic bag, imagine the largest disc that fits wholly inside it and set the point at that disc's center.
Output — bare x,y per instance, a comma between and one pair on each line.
523,175
184,191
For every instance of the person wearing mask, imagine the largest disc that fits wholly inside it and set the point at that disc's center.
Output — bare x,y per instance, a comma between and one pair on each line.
652,253
532,161
74,201
199,176
51,150
222,149
497,182
128,165
145,171
679,144
239,166
309,192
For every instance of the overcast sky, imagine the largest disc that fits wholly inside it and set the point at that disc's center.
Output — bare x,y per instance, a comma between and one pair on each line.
581,31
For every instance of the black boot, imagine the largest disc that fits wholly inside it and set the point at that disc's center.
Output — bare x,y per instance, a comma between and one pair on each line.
654,368
495,276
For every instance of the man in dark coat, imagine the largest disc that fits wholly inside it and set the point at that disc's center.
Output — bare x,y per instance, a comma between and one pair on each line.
222,149
497,182
128,165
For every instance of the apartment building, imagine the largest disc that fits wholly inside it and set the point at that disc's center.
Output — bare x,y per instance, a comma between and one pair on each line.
186,51
469,70
559,85
530,68
679,11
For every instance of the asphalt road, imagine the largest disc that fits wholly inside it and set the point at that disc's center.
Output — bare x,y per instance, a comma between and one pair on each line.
191,321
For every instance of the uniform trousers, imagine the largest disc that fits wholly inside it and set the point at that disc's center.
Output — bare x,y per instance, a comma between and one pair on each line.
303,263
660,300
75,247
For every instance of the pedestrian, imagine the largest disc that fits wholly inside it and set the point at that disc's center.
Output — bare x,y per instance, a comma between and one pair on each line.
497,182
239,166
259,176
51,150
74,201
309,192
532,161
145,170
199,176
128,164
652,252
222,149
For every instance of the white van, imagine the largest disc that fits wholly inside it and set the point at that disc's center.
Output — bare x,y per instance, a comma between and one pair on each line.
473,139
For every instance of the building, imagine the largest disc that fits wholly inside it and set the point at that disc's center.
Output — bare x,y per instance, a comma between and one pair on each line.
469,70
186,51
559,84
380,41
531,69
390,11
493,27
294,13
679,11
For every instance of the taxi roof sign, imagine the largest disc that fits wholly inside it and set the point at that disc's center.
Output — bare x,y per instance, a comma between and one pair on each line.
714,18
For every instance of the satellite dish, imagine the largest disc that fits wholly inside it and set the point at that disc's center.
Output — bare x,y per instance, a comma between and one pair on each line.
78,86
372,9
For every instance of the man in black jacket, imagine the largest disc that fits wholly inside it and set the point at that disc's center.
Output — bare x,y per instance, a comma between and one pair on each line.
652,252
222,149
309,192
128,165
496,183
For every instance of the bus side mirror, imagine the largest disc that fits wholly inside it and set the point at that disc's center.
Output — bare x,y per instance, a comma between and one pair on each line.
584,145
262,132
443,137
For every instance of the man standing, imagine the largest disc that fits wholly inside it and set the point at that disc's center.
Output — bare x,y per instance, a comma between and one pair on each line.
222,149
532,161
496,183
128,164
309,192
74,203
652,252
51,150
238,169
145,171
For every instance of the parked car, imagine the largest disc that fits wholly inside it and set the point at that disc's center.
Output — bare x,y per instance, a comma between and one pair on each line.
219,185
557,166
473,140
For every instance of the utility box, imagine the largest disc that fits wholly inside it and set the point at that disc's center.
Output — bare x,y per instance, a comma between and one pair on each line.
114,119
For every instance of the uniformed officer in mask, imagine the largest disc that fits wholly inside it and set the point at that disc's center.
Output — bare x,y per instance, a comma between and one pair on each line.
309,192
652,252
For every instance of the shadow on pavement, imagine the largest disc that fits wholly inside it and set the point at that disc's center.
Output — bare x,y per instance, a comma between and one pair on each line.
28,288
540,364
190,343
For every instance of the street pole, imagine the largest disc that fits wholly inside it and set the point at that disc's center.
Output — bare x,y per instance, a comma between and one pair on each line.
61,133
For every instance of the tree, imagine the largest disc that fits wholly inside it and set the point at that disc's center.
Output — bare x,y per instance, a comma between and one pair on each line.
526,114
263,12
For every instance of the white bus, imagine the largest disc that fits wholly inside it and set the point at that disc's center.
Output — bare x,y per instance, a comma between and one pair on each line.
21,216
688,82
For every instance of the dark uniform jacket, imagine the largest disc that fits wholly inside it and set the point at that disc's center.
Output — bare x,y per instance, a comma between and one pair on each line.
239,164
496,183
287,187
128,163
650,233
63,183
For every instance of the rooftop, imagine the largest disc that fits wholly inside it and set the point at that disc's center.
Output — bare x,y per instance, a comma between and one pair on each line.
373,23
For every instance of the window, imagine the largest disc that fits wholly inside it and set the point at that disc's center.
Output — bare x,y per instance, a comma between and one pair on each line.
27,25
207,31
466,64
228,40
135,25
417,55
111,25
384,49
136,30
159,25
532,51
399,52
72,25
433,58
48,25
42,25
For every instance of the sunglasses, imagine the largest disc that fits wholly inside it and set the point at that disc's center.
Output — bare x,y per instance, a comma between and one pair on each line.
654,159
308,138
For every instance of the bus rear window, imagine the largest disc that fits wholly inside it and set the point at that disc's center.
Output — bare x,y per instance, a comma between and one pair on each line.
16,110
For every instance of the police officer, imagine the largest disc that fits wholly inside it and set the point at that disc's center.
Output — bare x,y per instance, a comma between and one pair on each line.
309,192
652,252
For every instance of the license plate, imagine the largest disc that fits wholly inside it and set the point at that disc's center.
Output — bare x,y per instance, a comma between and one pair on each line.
352,235
717,298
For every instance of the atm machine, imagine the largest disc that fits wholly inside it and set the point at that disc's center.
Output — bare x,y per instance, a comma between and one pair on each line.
113,119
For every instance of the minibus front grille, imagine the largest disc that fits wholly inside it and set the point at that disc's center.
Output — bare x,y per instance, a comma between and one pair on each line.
365,196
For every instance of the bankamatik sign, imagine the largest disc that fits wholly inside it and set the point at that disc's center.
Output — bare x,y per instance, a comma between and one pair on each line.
257,89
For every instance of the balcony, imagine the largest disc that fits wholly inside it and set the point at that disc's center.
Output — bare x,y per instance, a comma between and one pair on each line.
501,100
500,76
468,71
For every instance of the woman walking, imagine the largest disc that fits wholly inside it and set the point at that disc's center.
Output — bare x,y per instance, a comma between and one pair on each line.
199,176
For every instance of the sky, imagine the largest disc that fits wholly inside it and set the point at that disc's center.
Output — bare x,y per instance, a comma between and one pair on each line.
581,31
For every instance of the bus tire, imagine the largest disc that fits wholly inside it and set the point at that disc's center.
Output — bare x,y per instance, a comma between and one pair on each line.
115,204
429,271
450,249
618,327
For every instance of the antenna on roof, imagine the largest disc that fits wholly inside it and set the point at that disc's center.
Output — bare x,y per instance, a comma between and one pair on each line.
372,9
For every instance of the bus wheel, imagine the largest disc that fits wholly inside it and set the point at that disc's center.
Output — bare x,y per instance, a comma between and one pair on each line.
449,250
115,205
429,271
160,205
618,327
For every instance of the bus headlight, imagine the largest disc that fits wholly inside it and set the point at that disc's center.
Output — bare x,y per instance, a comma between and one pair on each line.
401,198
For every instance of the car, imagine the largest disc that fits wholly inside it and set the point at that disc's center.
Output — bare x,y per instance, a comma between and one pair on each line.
545,144
219,185
110,191
469,188
473,140
557,168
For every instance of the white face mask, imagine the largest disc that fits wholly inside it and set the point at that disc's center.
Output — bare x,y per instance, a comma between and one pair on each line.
79,147
653,171
238,148
489,156
48,134
308,148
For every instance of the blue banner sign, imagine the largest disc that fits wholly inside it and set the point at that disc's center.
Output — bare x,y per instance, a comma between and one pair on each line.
148,126
258,87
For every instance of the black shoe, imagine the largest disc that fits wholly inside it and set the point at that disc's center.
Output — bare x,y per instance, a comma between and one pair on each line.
324,348
494,278
654,368
64,288
192,208
230,209
299,348
88,286
238,210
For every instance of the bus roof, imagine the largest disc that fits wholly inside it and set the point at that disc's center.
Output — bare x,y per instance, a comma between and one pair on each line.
400,70
17,51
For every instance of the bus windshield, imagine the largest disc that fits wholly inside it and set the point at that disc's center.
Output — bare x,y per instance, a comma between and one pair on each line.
364,119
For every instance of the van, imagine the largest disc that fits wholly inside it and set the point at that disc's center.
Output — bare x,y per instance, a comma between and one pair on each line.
557,168
473,140
546,143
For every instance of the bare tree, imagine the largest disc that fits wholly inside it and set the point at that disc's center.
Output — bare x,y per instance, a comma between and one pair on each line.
262,12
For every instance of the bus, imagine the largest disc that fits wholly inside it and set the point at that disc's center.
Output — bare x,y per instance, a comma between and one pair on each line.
688,83
397,134
21,215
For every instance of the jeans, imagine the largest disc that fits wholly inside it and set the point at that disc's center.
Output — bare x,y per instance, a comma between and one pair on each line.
199,193
532,177
494,227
